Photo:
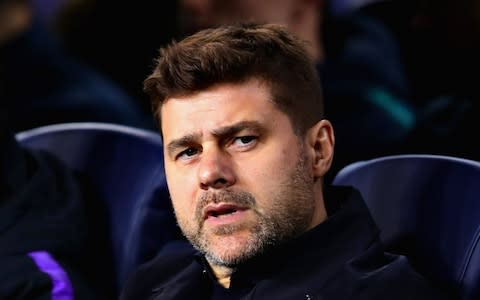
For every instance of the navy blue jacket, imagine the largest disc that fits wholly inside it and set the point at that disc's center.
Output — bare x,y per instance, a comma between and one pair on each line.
341,258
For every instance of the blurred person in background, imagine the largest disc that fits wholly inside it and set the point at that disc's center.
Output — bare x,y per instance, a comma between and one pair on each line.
54,241
439,42
41,84
302,17
117,38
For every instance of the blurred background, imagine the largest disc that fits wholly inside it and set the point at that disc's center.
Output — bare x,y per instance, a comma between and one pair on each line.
395,73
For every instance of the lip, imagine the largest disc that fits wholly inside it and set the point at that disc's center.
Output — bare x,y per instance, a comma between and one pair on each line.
221,209
223,214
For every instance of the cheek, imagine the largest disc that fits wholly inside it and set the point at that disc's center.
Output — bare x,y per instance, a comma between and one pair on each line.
180,203
184,211
268,172
182,191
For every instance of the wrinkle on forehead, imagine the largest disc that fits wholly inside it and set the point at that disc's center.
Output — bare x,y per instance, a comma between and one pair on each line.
219,106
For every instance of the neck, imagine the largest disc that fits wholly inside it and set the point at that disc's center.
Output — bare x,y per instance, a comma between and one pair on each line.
222,273
320,212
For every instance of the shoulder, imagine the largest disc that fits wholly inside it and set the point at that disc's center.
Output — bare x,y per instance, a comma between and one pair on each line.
380,275
171,260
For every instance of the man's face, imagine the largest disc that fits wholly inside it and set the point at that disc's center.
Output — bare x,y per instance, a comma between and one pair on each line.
238,176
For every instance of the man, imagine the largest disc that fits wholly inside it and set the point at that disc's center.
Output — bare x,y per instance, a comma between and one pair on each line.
246,148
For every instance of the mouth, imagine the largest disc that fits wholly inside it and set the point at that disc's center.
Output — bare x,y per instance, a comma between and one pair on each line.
221,210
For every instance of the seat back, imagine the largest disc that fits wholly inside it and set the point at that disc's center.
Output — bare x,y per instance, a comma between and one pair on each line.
427,208
125,165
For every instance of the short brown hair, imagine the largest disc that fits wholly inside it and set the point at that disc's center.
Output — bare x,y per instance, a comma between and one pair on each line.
235,54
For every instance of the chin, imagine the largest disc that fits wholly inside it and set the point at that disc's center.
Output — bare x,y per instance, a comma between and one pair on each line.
231,251
227,259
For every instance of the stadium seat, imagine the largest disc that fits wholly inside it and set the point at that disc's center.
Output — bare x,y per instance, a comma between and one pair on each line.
125,165
428,208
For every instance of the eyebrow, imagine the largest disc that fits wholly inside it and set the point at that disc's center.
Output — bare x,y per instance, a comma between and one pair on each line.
182,142
236,128
220,133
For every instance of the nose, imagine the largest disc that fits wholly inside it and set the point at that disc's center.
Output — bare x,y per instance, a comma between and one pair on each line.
215,170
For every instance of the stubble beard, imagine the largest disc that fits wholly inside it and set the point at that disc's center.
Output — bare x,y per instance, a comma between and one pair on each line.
290,215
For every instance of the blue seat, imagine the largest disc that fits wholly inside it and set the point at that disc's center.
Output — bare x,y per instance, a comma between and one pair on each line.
427,208
125,165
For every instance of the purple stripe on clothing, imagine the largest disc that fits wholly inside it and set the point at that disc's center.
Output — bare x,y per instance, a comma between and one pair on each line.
62,288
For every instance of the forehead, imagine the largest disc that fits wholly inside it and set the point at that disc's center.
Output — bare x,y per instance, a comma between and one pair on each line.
215,107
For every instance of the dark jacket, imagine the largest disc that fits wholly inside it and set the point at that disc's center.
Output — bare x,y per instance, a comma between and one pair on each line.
341,258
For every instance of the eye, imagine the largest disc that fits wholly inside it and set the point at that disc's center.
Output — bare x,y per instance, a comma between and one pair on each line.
245,141
187,153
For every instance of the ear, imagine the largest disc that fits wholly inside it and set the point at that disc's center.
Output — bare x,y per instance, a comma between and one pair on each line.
320,141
